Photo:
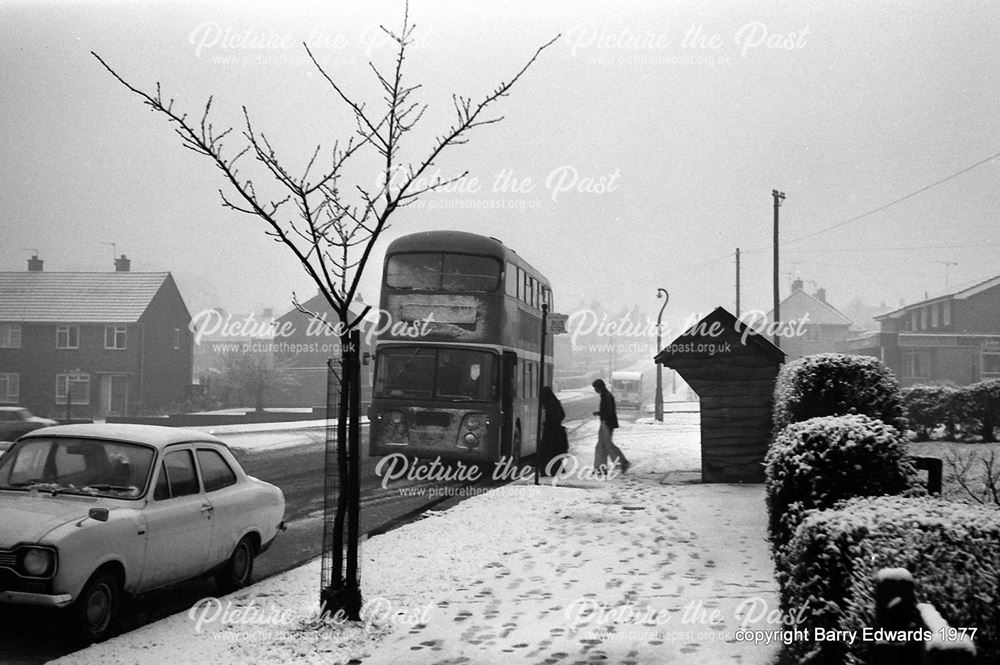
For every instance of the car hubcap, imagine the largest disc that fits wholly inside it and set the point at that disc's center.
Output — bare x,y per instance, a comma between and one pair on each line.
240,562
99,608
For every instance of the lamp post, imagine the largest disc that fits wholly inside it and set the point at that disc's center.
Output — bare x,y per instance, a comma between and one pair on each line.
658,408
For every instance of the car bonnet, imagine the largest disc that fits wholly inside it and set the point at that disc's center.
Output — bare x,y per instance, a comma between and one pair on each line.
26,518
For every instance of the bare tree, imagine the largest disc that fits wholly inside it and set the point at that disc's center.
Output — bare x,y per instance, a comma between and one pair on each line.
332,228
976,475
255,376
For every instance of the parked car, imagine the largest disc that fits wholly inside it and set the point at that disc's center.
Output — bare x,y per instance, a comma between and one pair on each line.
16,421
92,512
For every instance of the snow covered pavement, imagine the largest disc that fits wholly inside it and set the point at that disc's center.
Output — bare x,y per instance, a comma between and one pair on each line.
641,568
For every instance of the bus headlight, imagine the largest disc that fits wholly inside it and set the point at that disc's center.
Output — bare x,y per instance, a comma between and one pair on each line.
472,432
394,429
37,562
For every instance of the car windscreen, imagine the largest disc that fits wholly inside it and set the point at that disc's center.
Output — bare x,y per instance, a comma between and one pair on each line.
64,465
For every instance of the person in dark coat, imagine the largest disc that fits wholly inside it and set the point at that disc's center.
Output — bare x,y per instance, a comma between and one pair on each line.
554,441
606,450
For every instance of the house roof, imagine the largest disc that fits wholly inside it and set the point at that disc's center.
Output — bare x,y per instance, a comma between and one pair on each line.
820,312
957,294
77,297
319,304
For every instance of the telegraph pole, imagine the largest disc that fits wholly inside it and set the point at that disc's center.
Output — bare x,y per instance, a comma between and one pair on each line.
737,282
778,198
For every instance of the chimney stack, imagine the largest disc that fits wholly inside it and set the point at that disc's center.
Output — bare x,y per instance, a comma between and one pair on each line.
122,264
796,285
35,264
821,295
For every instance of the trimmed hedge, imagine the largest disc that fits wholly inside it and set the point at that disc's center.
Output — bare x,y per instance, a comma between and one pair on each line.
986,402
816,463
952,550
964,412
926,407
834,384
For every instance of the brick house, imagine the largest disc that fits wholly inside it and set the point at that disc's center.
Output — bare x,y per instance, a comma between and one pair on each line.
952,338
824,327
106,342
303,345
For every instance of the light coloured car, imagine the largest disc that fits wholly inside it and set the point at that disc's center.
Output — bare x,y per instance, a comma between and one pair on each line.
16,421
91,512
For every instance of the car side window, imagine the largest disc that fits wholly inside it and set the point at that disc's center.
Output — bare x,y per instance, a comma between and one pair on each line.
181,476
162,490
215,470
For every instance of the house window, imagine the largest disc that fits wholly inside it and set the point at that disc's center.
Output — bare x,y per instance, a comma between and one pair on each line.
177,338
812,334
10,388
67,337
76,386
916,365
934,315
991,364
115,337
10,335
946,312
923,318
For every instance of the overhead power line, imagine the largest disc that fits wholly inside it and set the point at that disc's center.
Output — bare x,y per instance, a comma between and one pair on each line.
894,201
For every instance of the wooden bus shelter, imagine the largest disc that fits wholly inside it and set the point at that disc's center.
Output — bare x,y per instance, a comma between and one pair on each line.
733,370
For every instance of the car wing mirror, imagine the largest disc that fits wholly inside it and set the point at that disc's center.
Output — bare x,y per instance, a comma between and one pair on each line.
99,514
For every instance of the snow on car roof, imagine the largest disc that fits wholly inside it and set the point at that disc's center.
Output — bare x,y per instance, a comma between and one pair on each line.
154,435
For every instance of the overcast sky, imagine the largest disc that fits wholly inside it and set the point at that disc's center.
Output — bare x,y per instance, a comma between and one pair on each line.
681,109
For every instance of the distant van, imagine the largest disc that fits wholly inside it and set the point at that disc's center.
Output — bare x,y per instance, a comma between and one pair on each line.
627,388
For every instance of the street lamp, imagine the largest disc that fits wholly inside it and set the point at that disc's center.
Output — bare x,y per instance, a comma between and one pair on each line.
658,413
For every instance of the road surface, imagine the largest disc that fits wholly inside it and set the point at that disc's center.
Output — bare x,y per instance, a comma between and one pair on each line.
292,460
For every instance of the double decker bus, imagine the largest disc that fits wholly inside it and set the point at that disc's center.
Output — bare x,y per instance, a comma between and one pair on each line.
457,365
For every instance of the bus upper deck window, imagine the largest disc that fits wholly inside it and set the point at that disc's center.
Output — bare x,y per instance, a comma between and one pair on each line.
442,272
462,272
510,280
414,271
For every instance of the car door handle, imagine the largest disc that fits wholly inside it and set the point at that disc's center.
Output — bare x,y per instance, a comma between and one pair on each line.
207,508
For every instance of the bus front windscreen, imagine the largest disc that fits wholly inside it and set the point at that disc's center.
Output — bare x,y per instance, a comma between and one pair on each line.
429,373
437,271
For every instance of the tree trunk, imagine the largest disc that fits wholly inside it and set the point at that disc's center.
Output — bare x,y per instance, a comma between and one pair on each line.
353,583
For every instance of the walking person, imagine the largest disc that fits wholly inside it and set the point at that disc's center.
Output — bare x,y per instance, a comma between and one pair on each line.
554,441
606,449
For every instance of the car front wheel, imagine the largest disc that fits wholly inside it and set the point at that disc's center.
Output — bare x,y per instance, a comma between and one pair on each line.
238,570
96,610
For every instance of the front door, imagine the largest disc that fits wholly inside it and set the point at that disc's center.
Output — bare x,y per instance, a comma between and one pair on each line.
507,401
114,395
178,523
